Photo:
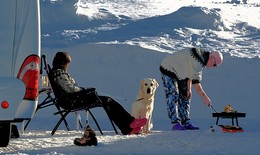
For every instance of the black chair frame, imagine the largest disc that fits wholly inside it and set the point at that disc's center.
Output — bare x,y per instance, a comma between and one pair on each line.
64,112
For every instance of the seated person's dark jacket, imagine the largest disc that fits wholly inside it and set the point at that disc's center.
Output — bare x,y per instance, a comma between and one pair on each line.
72,100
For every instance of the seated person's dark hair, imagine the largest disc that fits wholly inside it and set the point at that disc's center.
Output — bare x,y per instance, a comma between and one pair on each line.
60,60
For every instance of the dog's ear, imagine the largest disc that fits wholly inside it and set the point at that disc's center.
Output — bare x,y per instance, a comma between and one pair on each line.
141,84
140,92
156,83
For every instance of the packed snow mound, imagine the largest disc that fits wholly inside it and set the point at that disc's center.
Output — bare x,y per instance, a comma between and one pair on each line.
161,26
198,18
122,10
185,17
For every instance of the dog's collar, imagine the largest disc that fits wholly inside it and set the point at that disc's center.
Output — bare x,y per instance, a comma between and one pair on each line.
139,99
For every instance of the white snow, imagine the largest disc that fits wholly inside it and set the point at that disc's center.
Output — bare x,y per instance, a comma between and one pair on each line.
118,43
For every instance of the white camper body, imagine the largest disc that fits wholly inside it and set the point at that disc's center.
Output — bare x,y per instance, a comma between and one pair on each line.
19,62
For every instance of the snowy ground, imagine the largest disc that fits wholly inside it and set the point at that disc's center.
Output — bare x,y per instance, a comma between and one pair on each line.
107,54
159,142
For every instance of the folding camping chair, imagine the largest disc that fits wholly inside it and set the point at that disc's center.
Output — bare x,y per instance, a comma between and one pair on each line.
50,100
64,112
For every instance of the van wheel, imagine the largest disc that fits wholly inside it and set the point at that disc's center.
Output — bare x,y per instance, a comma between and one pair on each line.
5,134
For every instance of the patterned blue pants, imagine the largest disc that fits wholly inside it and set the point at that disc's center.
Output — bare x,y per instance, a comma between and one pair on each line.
178,105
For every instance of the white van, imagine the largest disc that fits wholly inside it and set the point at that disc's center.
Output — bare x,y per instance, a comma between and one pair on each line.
19,63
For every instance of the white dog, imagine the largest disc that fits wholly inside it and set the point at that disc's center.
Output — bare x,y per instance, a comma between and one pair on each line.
143,106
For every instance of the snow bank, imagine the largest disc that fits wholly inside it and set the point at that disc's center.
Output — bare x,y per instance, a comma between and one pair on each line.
160,26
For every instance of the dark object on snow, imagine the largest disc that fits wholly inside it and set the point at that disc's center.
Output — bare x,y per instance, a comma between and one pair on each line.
89,138
227,115
14,132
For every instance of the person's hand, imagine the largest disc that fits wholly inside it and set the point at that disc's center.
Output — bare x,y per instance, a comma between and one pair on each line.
189,94
207,101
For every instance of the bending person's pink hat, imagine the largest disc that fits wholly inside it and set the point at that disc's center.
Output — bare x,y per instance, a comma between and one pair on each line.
218,57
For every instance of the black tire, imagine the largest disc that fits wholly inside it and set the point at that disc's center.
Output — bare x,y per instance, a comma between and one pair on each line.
5,134
14,131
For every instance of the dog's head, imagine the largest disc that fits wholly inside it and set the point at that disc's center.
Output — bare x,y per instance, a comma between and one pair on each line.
148,87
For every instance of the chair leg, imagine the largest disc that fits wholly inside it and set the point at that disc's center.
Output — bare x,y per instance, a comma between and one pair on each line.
45,103
78,121
88,111
27,123
113,126
111,121
63,117
59,122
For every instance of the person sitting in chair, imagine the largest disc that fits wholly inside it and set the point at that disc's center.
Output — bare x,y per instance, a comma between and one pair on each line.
71,96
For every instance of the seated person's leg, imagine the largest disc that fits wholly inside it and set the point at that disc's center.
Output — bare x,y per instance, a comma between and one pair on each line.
125,122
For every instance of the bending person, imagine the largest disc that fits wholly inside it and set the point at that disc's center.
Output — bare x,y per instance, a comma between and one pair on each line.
180,71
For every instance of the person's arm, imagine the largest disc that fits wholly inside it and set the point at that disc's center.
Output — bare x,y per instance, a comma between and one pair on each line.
189,91
66,82
202,94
